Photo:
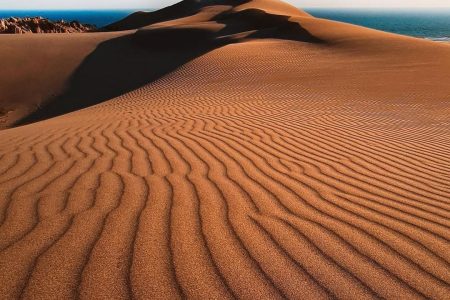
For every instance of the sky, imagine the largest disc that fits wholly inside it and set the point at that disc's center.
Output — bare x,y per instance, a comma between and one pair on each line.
122,4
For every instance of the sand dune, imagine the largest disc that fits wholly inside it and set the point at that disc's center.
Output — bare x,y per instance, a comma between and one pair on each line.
38,69
257,153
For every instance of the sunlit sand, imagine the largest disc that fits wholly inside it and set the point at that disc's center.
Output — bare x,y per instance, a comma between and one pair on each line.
225,149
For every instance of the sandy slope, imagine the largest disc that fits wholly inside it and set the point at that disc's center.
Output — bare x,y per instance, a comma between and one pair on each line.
290,158
36,68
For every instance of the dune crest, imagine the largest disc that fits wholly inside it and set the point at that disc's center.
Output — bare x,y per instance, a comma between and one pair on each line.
188,8
226,149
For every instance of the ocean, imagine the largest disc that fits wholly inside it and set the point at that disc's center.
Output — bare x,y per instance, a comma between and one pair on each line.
425,23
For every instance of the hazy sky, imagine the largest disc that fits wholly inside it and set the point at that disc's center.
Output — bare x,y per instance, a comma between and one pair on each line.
91,4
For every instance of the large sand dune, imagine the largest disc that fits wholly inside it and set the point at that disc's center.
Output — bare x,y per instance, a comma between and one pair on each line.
233,149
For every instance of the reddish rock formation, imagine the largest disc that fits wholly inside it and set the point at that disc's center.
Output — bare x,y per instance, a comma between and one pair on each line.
41,25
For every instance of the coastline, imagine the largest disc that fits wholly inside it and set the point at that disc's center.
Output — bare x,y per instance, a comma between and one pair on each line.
99,18
15,25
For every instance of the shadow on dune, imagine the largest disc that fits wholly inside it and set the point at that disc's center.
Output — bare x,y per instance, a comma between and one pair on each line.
126,63
115,67
264,25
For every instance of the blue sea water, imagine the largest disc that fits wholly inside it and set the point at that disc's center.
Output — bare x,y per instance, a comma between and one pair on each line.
98,18
433,24
426,23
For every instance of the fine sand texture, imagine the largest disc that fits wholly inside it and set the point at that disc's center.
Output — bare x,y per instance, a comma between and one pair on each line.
225,149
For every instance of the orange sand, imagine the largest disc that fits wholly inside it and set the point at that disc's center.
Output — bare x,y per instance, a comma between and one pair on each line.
237,151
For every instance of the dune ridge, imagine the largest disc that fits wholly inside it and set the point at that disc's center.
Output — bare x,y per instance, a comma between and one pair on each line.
279,156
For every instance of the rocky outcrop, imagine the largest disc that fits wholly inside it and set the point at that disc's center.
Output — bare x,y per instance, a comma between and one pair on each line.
42,25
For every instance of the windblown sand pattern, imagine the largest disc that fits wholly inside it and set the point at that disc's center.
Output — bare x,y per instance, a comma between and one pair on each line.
260,169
